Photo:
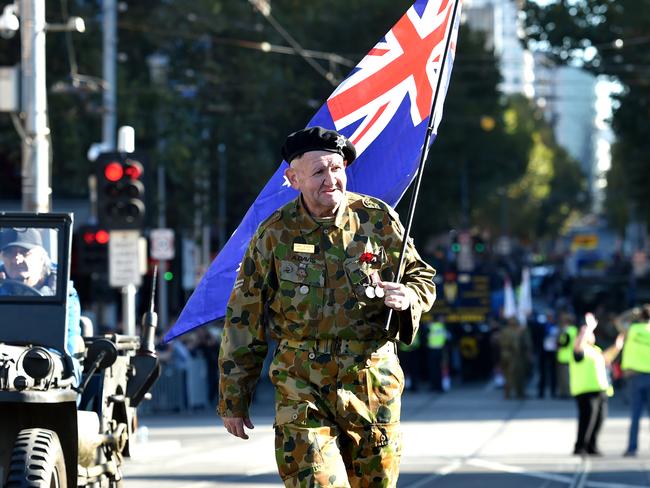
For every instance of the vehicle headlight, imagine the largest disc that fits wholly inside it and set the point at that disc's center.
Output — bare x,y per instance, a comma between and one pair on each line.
37,363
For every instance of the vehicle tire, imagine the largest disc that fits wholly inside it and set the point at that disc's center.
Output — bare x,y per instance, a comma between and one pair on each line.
37,461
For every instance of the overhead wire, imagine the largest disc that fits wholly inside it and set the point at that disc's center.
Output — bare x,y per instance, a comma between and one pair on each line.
91,82
243,43
266,13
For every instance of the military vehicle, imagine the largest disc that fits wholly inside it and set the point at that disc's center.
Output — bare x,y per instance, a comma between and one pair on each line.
67,401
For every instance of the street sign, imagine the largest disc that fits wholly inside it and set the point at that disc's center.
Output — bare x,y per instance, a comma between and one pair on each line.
189,252
465,260
124,258
584,241
465,297
162,244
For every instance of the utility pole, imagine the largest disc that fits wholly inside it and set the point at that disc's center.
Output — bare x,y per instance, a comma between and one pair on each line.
163,307
221,195
36,180
109,46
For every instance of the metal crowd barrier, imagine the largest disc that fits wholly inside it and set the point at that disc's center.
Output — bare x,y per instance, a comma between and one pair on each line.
179,389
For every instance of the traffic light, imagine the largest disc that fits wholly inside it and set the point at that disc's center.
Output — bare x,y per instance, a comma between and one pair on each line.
92,250
120,191
479,244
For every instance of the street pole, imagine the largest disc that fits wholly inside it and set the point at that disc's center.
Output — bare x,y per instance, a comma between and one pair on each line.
162,264
36,189
126,144
221,195
109,45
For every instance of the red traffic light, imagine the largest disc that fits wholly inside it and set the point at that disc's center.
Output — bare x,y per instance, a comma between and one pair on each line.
89,237
102,237
133,169
96,237
120,192
113,171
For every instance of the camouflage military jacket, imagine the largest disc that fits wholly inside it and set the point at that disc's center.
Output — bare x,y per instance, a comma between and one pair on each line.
308,280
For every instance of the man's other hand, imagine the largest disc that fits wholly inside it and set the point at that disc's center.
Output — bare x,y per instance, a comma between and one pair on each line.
235,426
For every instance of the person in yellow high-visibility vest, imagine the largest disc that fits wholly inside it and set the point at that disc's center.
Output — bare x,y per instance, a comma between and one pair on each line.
565,341
636,367
590,385
435,345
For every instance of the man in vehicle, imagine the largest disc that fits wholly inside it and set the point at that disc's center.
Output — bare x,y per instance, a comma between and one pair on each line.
26,269
25,262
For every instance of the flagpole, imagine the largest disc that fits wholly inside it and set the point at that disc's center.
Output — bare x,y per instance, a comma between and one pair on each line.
423,157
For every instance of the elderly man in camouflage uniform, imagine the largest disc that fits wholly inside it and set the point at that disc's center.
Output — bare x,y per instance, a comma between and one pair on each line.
318,277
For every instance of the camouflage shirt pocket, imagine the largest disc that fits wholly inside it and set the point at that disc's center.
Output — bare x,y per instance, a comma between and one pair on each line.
361,274
301,291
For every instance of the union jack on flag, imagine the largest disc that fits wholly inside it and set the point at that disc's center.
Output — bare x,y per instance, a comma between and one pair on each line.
383,107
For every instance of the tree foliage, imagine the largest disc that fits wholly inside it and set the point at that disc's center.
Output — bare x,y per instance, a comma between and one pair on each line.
223,96
608,37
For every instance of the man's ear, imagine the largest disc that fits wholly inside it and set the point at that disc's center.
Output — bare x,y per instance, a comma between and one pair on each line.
292,176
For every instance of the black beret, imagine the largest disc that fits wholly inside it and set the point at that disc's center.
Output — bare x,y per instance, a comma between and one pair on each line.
318,139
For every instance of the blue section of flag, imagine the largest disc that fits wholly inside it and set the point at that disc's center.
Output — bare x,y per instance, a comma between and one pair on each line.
384,169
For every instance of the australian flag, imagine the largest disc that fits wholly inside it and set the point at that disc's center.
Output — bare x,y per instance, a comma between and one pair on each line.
383,107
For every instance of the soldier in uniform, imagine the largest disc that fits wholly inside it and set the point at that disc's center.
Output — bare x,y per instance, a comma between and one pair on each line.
514,353
319,277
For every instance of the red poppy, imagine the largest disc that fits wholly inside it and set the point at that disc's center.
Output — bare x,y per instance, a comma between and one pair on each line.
367,257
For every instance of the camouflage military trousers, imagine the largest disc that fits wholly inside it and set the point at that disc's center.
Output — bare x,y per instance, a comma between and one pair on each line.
337,413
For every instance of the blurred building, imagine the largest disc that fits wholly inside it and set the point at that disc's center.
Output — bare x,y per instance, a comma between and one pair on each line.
566,95
497,19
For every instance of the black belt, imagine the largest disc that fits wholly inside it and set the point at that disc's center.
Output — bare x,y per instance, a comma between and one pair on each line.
337,345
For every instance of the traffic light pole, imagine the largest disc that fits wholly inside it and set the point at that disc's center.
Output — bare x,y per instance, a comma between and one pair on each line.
162,264
109,45
128,309
36,189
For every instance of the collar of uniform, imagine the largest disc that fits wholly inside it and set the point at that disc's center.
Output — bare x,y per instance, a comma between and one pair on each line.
342,215
303,219
306,223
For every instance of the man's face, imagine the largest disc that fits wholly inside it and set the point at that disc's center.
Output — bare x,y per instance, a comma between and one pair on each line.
24,265
320,177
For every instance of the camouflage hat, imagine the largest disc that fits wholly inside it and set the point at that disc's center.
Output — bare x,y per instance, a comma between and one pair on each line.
22,237
318,139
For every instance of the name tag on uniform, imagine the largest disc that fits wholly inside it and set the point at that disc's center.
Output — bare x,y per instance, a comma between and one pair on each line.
308,248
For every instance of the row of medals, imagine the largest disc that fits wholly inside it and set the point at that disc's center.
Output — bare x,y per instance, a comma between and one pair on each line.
370,290
373,291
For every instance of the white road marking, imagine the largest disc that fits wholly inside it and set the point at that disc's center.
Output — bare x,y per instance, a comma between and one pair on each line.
444,471
505,468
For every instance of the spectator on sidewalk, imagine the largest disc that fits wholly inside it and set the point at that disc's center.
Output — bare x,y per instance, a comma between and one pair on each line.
548,357
565,341
590,385
636,368
436,334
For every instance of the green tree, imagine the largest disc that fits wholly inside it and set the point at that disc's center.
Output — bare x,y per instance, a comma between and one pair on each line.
222,87
608,37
